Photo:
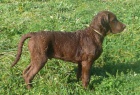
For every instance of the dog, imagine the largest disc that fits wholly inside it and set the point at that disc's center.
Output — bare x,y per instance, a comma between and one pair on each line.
82,47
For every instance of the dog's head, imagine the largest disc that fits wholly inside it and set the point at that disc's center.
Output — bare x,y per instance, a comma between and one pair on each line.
107,21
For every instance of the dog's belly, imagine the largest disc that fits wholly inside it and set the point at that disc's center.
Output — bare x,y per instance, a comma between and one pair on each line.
67,59
71,57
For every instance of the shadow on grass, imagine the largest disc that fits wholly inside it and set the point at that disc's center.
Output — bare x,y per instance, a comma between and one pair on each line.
112,68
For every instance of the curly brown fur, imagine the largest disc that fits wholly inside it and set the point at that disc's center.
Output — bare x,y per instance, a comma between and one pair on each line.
82,47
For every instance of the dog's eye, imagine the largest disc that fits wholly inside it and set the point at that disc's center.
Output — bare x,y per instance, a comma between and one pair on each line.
114,20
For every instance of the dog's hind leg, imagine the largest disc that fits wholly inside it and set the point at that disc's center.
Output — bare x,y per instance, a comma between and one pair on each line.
38,60
37,64
25,71
38,47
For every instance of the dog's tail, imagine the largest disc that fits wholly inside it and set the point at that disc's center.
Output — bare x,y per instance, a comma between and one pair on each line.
20,45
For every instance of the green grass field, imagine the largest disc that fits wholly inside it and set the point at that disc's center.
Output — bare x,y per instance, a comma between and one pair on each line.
116,72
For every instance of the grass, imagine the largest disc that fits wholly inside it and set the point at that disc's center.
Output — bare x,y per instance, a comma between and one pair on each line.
116,72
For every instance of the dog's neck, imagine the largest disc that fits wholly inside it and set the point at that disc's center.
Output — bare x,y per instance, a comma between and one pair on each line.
97,34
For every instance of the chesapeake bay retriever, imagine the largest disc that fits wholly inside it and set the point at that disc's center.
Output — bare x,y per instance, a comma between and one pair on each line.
82,47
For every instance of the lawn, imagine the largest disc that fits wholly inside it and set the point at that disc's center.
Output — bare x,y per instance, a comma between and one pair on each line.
116,72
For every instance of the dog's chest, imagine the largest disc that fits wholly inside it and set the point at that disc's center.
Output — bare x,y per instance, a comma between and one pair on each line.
90,48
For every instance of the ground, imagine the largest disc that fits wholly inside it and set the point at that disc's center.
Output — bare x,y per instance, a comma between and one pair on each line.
116,72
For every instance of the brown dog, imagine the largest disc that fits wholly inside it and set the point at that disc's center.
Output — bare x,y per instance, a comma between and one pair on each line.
82,47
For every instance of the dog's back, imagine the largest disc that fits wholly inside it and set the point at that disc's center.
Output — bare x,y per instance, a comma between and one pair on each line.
61,45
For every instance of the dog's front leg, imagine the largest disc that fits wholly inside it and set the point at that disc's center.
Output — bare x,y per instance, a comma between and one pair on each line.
86,66
79,71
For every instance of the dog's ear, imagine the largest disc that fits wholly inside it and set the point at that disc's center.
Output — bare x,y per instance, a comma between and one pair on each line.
105,20
101,20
